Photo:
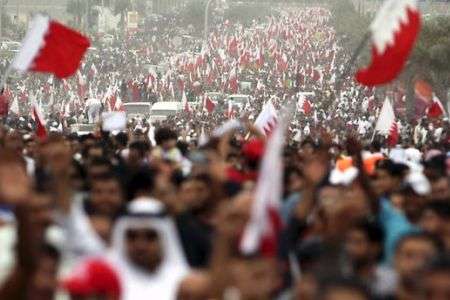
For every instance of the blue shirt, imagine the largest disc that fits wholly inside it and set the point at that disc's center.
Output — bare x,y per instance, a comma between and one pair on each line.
395,225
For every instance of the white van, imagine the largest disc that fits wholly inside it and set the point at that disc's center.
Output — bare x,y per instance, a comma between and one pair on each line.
239,100
137,109
161,110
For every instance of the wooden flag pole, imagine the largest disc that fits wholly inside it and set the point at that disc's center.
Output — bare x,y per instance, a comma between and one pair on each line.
351,62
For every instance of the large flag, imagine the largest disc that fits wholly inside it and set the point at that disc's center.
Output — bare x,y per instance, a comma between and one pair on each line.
51,47
261,232
267,119
394,32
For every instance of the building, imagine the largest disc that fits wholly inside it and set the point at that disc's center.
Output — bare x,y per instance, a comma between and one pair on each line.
22,10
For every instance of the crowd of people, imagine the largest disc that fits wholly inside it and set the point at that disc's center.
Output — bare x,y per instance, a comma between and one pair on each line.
158,210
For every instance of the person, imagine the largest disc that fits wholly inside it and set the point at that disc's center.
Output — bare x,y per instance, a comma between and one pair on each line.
412,254
436,279
363,248
146,254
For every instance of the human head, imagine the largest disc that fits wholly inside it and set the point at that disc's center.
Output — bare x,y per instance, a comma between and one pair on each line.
388,176
166,138
143,246
363,243
145,238
435,219
436,279
343,289
412,253
106,195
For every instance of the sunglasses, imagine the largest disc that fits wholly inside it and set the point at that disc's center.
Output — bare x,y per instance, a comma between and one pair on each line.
146,234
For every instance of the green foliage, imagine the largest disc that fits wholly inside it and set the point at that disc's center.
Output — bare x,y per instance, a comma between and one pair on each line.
432,51
350,26
430,59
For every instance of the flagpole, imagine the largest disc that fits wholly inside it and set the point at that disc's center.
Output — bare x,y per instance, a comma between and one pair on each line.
4,79
351,62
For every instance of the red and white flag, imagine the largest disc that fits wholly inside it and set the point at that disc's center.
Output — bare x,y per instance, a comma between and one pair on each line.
304,105
209,105
186,106
267,119
262,230
393,136
436,109
118,105
394,32
38,117
386,124
233,81
51,47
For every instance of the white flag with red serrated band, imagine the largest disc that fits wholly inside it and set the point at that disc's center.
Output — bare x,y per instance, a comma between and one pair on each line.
394,32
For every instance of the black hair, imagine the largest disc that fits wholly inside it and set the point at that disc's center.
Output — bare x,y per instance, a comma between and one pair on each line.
350,283
183,147
141,181
440,263
441,208
436,242
164,134
101,161
394,169
140,146
372,229
121,139
51,251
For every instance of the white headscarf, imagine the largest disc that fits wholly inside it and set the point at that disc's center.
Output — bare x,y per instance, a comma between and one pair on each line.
136,283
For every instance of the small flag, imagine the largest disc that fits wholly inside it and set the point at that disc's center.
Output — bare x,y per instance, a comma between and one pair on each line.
209,105
436,110
41,131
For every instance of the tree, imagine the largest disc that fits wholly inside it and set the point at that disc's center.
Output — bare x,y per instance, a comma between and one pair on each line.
77,9
431,57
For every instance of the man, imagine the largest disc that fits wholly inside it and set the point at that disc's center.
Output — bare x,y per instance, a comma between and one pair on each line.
146,255
436,279
363,247
394,222
412,254
88,222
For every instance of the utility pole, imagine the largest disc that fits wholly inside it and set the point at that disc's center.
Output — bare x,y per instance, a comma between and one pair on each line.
1,16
